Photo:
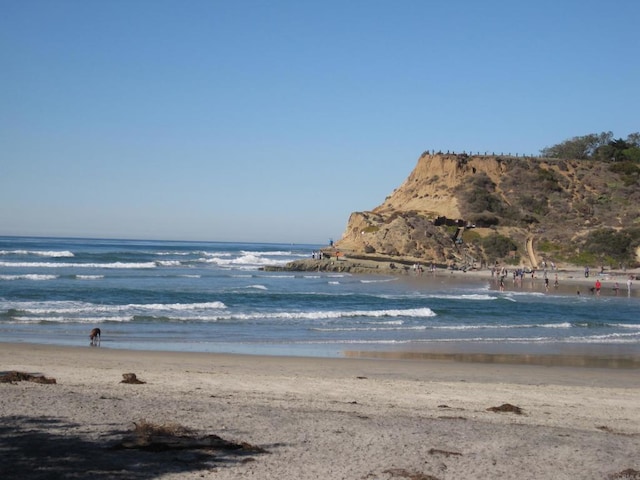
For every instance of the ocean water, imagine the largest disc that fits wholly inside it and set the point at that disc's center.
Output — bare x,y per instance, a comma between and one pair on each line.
214,297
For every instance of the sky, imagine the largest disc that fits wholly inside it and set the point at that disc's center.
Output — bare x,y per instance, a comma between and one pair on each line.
273,121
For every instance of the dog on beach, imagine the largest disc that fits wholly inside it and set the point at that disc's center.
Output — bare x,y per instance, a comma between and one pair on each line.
94,336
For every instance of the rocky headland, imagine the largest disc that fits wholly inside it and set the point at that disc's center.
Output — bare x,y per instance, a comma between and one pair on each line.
467,212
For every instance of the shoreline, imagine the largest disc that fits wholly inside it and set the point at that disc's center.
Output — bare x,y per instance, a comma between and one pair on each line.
611,356
389,419
440,365
570,279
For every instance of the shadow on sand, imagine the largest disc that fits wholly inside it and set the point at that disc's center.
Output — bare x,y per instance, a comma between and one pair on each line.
49,448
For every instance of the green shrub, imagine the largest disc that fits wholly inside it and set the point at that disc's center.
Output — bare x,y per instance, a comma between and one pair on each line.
583,258
469,236
498,246
613,245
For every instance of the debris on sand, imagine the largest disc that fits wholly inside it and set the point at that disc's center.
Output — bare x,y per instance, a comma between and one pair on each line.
628,474
13,377
162,437
131,378
506,407
446,453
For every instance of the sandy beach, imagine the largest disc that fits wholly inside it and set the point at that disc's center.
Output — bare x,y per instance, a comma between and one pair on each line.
570,278
309,418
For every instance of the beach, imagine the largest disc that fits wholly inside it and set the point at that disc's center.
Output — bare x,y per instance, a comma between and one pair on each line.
309,418
346,369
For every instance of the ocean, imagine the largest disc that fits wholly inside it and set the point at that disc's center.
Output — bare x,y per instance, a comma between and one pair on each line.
215,297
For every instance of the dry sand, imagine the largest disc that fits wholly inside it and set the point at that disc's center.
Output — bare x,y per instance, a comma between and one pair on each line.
316,418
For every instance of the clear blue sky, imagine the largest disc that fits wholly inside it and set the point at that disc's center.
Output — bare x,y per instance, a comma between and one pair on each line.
274,120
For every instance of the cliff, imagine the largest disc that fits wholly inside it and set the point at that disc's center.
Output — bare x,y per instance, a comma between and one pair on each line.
472,210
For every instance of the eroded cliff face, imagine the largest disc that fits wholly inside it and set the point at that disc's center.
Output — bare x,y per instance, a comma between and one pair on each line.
431,187
449,203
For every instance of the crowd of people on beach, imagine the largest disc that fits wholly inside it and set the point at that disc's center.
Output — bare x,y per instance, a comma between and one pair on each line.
595,290
500,274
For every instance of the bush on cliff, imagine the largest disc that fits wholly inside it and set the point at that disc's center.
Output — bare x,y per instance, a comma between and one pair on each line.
498,246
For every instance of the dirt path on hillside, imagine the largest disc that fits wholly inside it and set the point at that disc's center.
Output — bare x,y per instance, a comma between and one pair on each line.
531,253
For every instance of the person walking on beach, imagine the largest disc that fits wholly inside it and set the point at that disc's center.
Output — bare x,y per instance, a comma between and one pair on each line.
629,285
598,287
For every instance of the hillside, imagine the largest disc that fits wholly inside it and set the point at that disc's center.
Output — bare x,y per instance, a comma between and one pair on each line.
456,209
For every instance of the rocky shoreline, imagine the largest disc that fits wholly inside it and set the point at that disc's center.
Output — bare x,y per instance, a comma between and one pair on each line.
338,261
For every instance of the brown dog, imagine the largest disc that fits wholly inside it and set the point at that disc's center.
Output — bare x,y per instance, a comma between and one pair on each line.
94,336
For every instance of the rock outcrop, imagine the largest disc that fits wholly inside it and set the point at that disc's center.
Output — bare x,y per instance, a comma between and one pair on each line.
456,209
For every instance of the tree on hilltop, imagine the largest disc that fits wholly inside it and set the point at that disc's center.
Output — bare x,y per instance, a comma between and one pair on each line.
597,146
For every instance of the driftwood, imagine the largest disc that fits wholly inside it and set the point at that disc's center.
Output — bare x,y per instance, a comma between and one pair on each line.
157,438
506,407
131,378
446,453
12,377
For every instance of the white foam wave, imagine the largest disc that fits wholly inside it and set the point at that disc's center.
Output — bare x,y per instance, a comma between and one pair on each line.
30,276
507,295
382,280
326,315
369,329
215,254
168,263
611,337
554,325
626,325
463,296
77,265
63,319
274,253
501,326
316,315
39,253
77,308
615,338
89,277
249,260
